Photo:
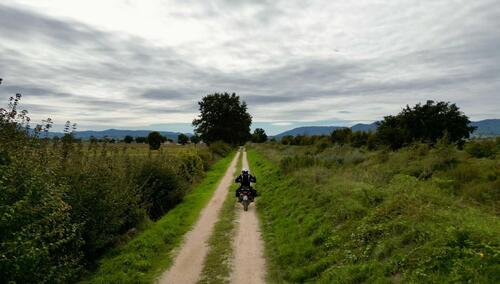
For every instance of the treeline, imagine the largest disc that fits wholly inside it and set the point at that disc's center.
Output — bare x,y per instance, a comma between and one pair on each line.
154,137
64,203
424,123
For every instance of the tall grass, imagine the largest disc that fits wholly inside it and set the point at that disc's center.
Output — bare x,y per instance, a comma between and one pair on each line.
418,215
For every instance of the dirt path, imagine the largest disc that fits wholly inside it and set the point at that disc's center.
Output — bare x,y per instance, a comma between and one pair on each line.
249,265
188,264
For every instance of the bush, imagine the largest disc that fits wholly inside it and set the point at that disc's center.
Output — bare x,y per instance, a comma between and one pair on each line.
341,136
161,188
39,242
296,162
220,148
104,198
481,148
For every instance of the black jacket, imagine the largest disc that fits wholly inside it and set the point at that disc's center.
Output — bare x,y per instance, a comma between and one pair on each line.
245,180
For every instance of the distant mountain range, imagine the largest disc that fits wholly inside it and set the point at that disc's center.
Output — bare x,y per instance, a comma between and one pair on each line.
324,130
119,134
487,127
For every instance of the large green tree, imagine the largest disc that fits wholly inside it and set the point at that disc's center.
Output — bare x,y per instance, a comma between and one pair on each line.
195,139
128,139
259,136
155,139
182,139
426,123
223,117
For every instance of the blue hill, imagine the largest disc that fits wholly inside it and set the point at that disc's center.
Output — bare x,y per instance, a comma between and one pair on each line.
487,127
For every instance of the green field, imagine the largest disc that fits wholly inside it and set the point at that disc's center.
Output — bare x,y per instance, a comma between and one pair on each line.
339,214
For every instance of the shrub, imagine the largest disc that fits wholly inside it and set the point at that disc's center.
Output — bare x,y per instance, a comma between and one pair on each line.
359,139
190,167
182,139
481,148
161,188
220,148
341,136
104,198
206,157
38,240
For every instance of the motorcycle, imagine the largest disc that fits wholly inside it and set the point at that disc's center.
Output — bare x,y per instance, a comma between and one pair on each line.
246,197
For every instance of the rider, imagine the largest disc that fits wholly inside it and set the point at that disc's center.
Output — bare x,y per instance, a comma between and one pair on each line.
245,180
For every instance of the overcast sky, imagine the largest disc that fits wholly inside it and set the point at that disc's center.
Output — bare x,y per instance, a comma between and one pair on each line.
144,64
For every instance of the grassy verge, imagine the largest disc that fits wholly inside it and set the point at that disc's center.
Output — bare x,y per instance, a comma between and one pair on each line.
217,267
325,225
146,256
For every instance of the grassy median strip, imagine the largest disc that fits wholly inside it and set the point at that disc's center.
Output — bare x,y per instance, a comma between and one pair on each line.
149,254
217,267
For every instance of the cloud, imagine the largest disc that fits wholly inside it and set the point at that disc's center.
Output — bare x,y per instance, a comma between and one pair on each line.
282,123
132,63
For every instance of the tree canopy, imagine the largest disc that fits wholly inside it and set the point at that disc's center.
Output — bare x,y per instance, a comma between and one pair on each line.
223,117
155,139
426,123
341,136
195,139
259,136
182,139
128,139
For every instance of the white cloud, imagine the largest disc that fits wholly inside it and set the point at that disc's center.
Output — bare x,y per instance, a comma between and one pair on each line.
132,63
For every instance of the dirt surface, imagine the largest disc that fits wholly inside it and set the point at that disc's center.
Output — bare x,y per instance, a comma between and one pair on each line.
249,265
188,264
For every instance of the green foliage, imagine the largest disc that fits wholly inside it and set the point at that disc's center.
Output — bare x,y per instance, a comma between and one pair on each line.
360,138
305,140
128,139
141,140
344,215
182,139
482,148
144,258
259,136
223,118
426,123
220,148
154,140
341,136
161,189
195,139
64,203
39,241
287,140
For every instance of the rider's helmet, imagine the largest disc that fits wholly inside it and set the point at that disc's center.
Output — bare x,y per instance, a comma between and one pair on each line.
244,171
